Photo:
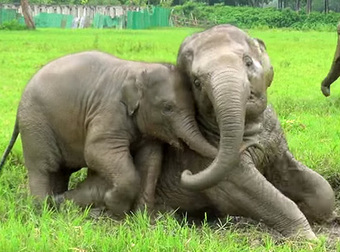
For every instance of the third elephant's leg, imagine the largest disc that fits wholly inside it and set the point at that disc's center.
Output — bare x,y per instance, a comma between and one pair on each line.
253,196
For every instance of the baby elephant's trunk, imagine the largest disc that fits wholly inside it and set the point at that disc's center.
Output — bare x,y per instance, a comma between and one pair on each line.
188,131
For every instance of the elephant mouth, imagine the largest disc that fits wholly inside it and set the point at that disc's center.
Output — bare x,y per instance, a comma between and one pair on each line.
255,96
178,144
256,104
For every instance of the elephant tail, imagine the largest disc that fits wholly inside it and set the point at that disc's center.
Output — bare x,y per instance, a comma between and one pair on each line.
10,145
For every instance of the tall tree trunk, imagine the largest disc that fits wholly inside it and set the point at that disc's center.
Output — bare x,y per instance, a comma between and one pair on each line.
279,4
27,15
326,6
298,5
309,6
285,3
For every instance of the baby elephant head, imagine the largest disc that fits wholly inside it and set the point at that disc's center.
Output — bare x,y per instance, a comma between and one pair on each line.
163,107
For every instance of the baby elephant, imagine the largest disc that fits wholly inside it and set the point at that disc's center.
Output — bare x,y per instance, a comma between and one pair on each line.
94,110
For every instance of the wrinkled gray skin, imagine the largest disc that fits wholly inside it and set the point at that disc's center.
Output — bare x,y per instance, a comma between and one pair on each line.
265,182
230,73
334,72
268,185
93,110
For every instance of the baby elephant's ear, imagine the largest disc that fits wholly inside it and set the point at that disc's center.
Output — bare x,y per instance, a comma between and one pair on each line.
131,95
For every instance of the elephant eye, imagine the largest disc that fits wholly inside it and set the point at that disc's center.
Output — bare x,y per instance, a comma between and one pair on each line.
168,108
248,60
197,83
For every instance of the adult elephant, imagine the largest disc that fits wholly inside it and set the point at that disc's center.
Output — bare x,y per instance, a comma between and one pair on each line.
334,72
229,73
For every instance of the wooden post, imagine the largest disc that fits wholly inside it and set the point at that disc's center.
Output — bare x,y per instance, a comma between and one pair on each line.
27,15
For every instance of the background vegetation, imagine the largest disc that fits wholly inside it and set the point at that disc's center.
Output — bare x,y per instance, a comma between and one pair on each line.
311,122
297,5
250,17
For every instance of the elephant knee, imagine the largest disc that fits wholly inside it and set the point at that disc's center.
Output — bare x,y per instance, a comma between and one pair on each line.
119,199
319,206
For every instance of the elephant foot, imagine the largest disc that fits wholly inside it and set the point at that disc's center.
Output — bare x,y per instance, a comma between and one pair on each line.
54,201
326,90
98,212
308,235
301,231
144,207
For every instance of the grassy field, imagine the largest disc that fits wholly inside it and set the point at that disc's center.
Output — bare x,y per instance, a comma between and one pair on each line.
311,122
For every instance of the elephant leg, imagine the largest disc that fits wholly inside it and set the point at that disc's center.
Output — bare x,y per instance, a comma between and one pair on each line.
115,166
252,195
59,180
334,72
42,160
148,161
332,76
89,192
311,192
43,182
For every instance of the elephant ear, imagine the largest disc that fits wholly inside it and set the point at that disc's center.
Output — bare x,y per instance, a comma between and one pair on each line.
131,95
261,43
185,57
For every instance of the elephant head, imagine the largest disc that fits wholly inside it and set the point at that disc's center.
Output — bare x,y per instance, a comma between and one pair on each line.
334,72
163,107
230,73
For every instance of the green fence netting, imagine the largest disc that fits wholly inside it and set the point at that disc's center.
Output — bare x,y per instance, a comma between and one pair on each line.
7,15
156,17
44,20
102,21
143,19
160,17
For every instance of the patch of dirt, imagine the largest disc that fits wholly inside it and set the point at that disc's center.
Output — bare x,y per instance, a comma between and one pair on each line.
256,231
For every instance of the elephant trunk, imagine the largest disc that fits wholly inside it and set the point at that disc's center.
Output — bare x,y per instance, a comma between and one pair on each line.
227,93
189,132
334,72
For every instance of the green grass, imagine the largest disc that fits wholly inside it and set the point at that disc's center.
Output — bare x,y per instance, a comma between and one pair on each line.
311,122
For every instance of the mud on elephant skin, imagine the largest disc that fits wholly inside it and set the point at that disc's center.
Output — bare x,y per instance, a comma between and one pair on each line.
92,110
308,189
230,73
285,194
334,72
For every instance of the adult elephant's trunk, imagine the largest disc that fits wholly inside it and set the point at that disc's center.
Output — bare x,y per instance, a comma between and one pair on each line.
227,92
189,132
334,72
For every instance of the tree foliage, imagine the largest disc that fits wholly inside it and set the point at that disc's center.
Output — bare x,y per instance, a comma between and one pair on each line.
250,17
297,5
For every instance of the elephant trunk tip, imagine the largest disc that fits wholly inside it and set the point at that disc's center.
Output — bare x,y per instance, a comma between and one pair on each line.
190,134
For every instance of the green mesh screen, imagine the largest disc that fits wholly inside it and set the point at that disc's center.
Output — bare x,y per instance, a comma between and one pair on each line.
153,17
7,15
